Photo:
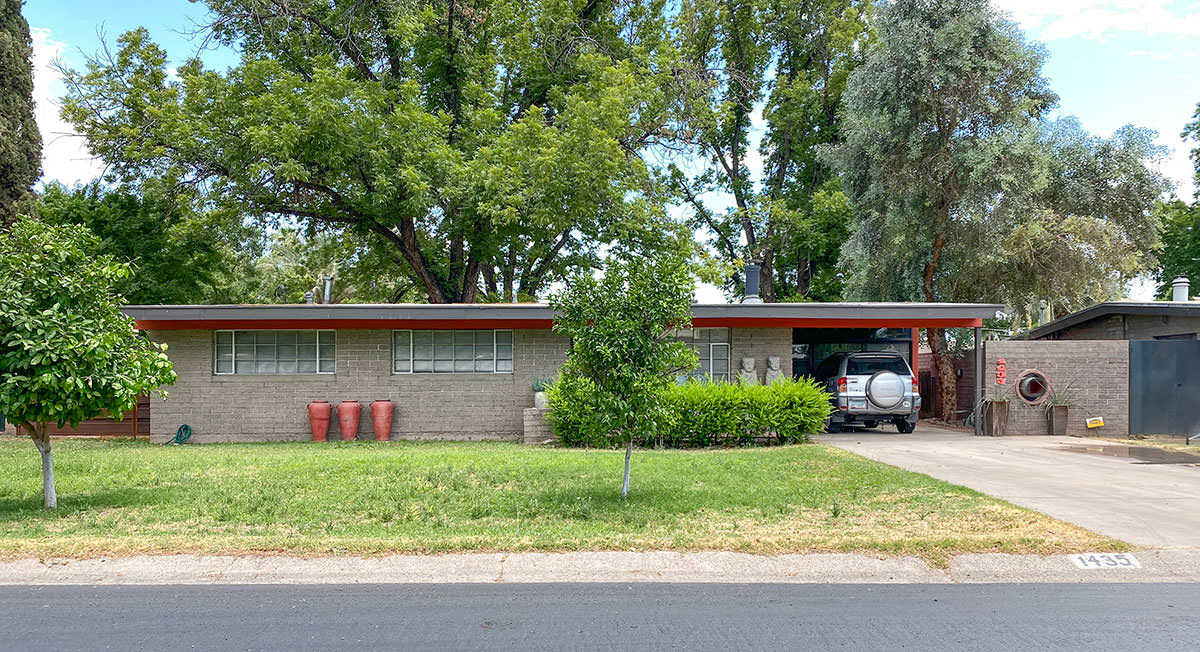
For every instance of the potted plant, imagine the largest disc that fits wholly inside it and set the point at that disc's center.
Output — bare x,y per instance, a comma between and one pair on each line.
539,392
1058,401
994,410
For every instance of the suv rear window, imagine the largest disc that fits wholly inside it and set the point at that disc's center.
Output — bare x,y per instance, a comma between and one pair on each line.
866,366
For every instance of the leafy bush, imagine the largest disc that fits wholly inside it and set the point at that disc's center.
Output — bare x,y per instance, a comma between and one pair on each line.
701,414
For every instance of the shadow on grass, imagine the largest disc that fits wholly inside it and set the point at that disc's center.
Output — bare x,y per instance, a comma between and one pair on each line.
13,510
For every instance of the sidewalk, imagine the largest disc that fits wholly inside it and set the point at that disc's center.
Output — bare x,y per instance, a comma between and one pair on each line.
1177,565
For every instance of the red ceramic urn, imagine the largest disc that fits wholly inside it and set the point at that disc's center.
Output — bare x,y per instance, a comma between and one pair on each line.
318,419
348,416
382,413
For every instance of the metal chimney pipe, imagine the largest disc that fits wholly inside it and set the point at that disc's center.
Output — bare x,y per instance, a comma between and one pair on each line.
1181,289
328,288
308,297
752,271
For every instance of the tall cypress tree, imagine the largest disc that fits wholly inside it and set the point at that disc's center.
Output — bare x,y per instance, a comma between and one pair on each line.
20,141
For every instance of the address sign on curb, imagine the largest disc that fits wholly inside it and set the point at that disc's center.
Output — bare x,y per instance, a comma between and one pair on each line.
1104,560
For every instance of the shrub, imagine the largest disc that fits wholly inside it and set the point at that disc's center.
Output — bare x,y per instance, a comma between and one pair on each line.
701,414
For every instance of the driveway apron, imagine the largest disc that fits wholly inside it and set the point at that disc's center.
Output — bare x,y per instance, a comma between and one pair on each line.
1146,503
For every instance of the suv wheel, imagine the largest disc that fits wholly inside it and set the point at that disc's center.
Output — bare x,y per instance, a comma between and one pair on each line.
904,426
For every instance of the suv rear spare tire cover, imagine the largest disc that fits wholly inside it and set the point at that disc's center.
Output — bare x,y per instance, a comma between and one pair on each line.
885,389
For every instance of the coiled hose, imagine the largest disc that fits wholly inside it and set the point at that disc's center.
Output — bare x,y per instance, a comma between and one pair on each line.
181,436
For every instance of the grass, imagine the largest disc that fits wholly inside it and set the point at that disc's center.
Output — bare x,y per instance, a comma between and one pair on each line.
121,498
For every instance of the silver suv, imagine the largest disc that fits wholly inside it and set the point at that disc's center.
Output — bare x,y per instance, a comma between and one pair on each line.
868,388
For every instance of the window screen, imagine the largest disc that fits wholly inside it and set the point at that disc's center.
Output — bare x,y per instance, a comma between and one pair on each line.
275,352
452,352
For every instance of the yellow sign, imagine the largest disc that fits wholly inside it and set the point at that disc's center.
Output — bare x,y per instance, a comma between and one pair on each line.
1095,422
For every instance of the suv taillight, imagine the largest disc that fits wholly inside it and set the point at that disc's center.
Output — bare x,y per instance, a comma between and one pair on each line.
916,390
841,384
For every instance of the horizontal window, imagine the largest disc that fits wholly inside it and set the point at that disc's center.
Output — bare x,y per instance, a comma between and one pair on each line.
274,352
712,347
452,352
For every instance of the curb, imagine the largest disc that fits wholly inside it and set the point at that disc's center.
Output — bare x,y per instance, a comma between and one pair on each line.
1165,565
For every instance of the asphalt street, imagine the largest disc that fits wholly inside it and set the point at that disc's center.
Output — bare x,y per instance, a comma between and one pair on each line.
694,617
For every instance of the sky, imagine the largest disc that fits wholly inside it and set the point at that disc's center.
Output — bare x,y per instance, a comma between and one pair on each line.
1112,63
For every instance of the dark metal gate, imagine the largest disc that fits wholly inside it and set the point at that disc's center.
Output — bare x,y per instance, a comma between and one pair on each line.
1164,387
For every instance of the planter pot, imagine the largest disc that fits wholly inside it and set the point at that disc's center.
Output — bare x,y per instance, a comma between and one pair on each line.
382,413
348,416
995,418
318,419
539,401
1057,415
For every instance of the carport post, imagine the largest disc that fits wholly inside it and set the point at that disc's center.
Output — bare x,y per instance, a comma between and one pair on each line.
978,379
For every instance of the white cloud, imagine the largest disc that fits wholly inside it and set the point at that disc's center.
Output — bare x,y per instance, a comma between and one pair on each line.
65,156
1098,20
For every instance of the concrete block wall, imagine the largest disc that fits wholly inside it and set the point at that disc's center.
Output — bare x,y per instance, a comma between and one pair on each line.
273,407
428,406
1097,370
758,343
1133,327
537,426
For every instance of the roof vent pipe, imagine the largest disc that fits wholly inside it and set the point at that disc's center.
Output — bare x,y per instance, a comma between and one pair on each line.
328,288
1180,289
752,270
308,297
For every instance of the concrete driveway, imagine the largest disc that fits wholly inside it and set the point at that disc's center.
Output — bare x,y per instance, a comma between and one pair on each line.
1144,503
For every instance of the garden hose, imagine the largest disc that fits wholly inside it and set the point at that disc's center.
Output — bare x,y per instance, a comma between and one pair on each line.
181,436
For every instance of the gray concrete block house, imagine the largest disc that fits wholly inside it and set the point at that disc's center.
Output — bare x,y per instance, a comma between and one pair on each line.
247,373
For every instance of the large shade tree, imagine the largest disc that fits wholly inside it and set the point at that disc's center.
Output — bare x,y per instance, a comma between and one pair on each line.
768,75
20,140
67,352
939,124
1180,255
492,145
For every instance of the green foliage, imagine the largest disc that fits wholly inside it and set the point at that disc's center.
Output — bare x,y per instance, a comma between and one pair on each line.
1191,131
701,414
540,384
1180,254
177,255
791,59
622,351
20,140
67,353
488,147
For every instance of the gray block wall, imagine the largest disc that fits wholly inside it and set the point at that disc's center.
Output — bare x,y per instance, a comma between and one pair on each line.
428,406
274,408
1097,370
1133,327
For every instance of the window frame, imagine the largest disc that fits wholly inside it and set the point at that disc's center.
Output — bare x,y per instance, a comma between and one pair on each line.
233,349
453,360
688,337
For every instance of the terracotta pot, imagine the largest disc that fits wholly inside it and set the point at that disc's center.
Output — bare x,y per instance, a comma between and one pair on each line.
382,413
318,419
1057,415
348,415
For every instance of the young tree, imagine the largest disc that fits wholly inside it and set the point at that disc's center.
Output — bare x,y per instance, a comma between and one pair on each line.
492,144
939,124
623,355
20,141
67,353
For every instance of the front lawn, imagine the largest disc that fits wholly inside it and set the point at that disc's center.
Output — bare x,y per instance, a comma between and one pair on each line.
119,498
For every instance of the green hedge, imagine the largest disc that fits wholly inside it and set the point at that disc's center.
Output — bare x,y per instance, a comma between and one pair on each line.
699,414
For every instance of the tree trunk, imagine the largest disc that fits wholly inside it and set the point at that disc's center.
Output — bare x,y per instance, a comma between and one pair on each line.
948,398
41,438
628,454
766,280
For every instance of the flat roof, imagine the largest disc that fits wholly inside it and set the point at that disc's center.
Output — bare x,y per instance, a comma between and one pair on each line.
1110,308
540,315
